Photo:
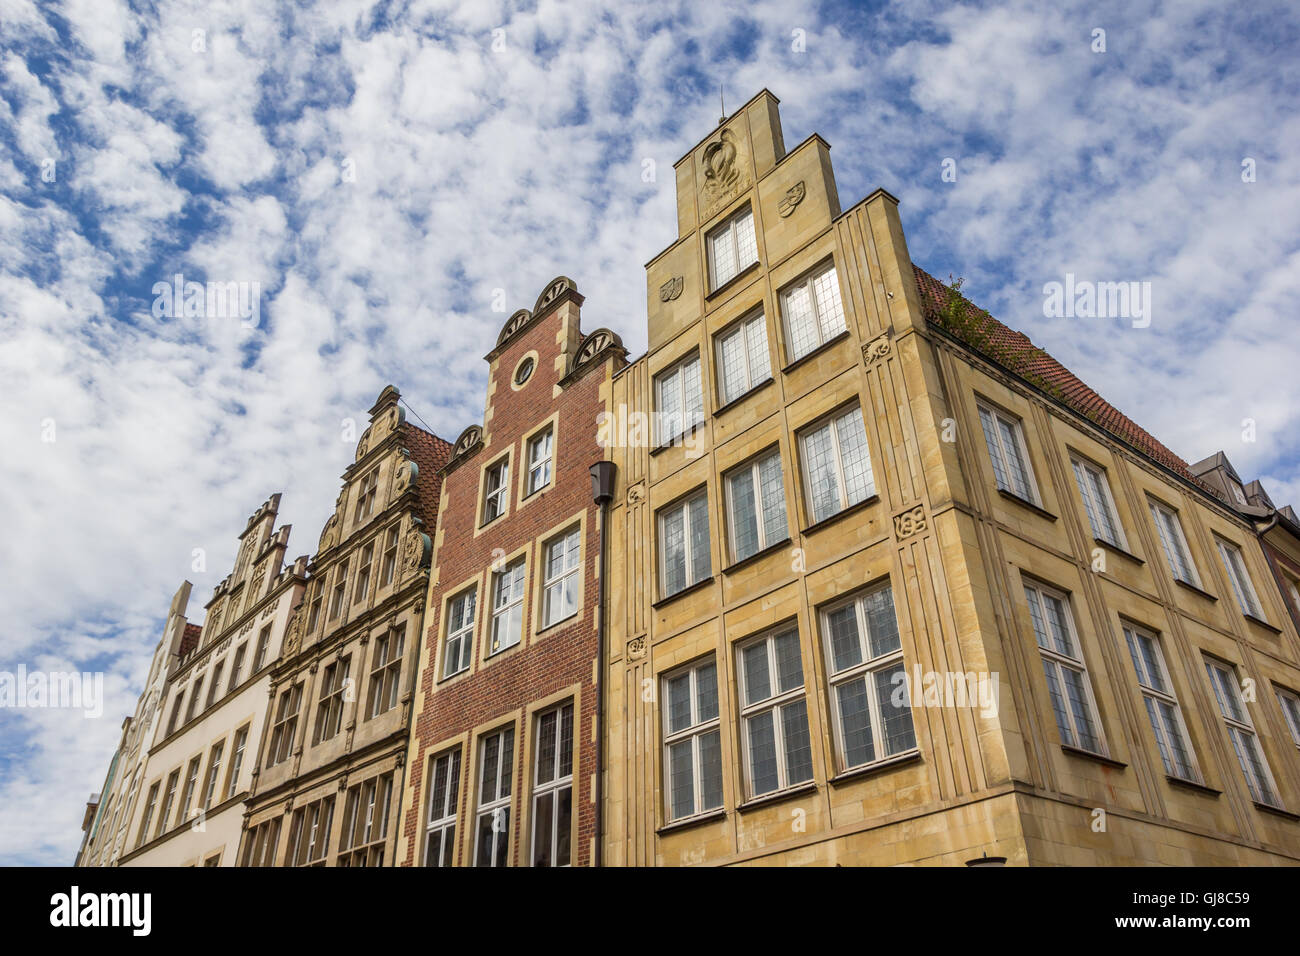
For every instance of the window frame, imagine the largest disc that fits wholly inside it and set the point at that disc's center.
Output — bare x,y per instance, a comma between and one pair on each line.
498,496
545,434
675,370
1084,467
560,781
367,493
1158,508
1132,632
730,227
1059,659
1291,712
285,727
683,504
816,314
741,328
830,422
445,825
385,684
237,760
1239,580
1241,732
520,566
752,469
463,636
388,560
330,705
698,728
210,781
564,575
501,801
1002,416
775,703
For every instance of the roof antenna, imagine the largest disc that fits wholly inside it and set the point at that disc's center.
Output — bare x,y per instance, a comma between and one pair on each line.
723,105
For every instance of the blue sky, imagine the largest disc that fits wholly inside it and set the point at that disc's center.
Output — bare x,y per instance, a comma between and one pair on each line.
381,169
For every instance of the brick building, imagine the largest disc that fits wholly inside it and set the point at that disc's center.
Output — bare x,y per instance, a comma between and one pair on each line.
503,746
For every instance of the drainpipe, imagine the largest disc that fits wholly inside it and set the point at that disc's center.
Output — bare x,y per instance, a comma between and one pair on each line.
602,490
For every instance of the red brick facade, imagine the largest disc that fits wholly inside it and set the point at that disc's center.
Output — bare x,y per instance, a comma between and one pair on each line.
549,665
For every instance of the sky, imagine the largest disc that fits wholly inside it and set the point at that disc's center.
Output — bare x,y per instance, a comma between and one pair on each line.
398,177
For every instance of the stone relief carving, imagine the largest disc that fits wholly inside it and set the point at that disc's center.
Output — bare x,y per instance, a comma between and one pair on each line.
293,639
363,446
636,648
415,551
910,522
671,289
876,349
404,472
636,494
793,197
329,536
723,175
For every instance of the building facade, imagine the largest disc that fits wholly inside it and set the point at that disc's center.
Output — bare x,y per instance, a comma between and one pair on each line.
200,769
890,585
331,756
503,751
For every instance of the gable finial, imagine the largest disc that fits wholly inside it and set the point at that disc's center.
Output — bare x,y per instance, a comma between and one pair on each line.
723,104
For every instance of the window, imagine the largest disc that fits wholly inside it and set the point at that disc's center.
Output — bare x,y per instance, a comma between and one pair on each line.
215,684
362,590
1005,439
386,671
756,506
778,753
1067,677
679,399
1290,704
236,762
539,461
1097,502
365,823
169,801
214,774
366,494
1223,679
194,700
496,490
191,786
732,248
1161,704
525,370
329,711
390,558
440,831
684,544
507,607
314,606
868,679
286,724
262,840
1174,544
742,357
460,633
263,646
492,824
339,599
149,807
1241,586
553,788
837,464
562,578
309,834
692,742
176,711
236,667
813,312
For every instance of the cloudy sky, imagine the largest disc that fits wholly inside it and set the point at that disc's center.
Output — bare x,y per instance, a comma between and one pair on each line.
382,169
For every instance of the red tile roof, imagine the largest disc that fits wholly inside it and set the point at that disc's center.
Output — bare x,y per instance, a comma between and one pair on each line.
190,639
1013,350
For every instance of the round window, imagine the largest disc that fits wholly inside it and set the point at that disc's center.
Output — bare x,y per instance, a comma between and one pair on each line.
525,371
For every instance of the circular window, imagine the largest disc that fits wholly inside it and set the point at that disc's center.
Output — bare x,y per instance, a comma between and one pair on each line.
525,371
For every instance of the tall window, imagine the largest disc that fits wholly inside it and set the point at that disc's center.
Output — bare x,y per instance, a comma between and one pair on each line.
692,741
1005,439
507,607
236,667
149,806
1290,704
263,646
837,464
329,711
553,788
212,781
286,725
259,850
1161,704
756,505
1097,502
390,557
742,357
314,605
236,762
684,544
175,717
191,786
366,494
813,312
214,684
440,831
365,822
339,599
362,590
309,833
169,801
496,490
562,573
194,700
539,461
679,399
1235,564
386,671
1067,677
778,753
460,632
492,823
1241,732
1174,544
732,248
864,661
